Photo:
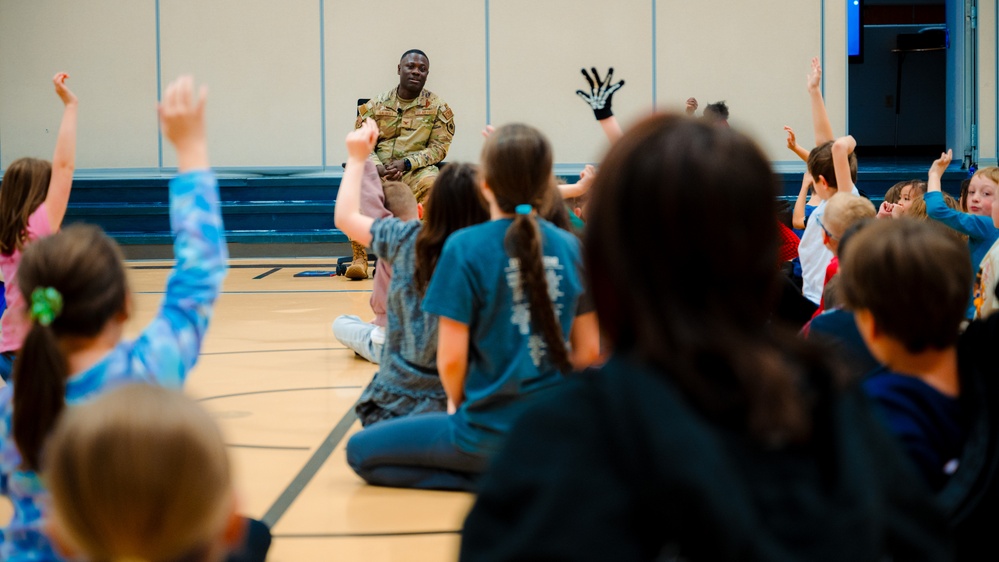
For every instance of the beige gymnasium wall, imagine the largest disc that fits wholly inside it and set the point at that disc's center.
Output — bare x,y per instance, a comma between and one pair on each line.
988,95
284,76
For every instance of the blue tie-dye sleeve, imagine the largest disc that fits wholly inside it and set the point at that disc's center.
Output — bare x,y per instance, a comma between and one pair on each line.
168,348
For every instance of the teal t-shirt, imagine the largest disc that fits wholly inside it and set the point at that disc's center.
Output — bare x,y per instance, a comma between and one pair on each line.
478,284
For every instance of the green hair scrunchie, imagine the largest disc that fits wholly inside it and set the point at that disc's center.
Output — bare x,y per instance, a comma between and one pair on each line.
46,304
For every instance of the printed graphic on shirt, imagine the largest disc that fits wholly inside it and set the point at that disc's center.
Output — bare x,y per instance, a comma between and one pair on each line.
520,315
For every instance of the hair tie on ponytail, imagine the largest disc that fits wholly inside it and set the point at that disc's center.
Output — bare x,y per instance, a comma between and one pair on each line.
524,209
46,304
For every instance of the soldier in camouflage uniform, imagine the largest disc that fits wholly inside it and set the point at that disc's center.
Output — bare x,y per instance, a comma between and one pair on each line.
415,130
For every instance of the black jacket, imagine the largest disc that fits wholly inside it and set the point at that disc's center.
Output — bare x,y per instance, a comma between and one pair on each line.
617,465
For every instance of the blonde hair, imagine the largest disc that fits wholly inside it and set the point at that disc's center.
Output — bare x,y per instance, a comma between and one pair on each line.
845,209
991,173
917,210
140,473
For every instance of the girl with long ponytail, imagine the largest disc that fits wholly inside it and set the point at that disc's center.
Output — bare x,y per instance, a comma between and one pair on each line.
75,292
513,321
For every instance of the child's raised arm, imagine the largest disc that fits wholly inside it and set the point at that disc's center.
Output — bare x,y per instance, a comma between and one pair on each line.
64,157
793,146
820,119
578,189
841,151
599,100
798,215
347,212
183,122
937,169
171,343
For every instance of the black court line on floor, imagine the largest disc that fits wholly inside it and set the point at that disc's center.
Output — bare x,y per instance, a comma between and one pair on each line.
309,470
275,350
266,273
267,447
277,390
361,535
244,265
261,292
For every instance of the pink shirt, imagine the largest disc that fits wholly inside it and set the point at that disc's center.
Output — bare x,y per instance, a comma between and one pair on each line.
373,205
14,324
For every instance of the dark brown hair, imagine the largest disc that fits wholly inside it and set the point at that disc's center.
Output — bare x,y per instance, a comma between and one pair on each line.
930,270
700,199
454,203
820,163
25,186
964,195
553,209
85,267
517,167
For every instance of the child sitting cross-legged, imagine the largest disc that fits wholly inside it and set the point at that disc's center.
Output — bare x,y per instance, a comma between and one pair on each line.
395,199
407,382
512,316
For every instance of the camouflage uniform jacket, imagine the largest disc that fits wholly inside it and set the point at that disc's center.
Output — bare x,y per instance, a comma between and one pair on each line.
419,130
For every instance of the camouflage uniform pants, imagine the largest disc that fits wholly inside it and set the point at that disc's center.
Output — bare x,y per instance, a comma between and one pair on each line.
420,181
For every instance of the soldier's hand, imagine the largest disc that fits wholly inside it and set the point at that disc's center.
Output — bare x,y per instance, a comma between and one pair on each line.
691,106
361,141
601,92
395,169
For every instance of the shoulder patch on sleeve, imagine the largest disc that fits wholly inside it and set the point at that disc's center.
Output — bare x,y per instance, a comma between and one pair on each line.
447,114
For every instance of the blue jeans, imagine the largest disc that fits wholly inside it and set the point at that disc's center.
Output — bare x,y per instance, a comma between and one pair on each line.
6,366
364,338
413,452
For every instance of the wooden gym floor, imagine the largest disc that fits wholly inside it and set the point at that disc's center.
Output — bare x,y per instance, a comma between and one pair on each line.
283,389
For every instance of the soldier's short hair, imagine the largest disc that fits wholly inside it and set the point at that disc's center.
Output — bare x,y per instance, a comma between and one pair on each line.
414,51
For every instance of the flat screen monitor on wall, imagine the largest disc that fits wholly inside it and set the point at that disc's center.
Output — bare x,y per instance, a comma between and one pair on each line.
854,31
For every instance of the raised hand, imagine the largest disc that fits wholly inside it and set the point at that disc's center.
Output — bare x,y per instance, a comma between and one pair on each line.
939,165
601,92
361,141
64,93
182,119
815,76
792,141
586,177
691,106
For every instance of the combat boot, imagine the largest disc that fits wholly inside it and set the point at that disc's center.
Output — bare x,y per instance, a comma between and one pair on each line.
358,268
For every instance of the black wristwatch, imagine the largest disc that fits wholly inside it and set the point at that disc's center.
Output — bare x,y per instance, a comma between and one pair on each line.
407,164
